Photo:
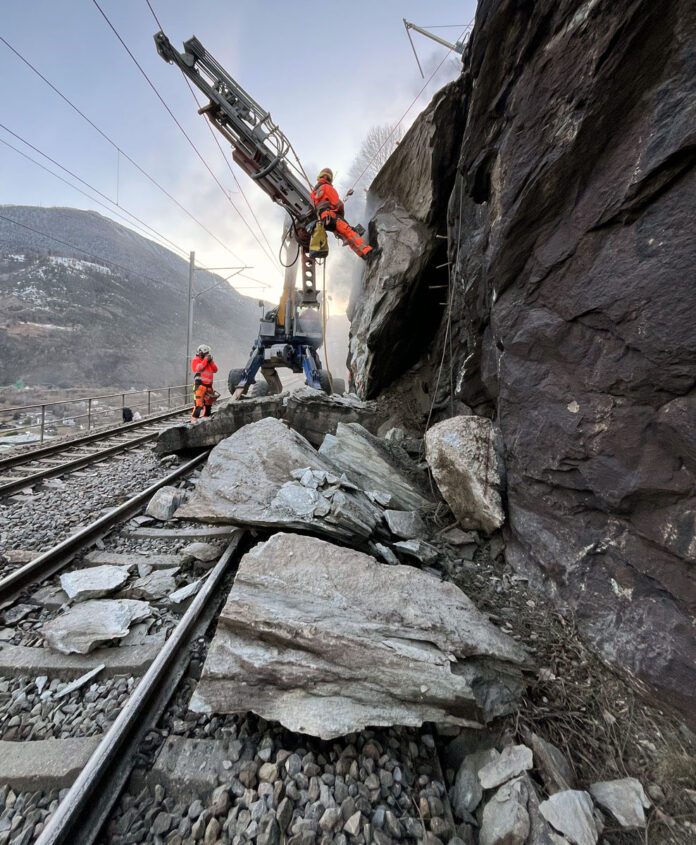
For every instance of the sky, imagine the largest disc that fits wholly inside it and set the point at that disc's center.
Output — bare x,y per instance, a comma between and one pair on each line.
326,72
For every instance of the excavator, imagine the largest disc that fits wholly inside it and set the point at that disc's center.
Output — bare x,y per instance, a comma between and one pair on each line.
291,334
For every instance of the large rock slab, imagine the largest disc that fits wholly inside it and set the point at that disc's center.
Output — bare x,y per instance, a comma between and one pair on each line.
251,479
91,623
228,418
327,641
94,582
375,464
464,461
310,412
314,414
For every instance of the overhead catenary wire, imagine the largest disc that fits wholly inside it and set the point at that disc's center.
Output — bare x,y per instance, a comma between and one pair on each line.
119,149
181,128
217,143
144,227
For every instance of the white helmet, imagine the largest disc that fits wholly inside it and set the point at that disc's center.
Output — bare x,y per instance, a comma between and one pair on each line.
203,349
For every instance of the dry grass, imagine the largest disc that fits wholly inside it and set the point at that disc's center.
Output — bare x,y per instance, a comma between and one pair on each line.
606,729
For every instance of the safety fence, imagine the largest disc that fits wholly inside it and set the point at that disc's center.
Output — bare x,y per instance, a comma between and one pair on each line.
35,423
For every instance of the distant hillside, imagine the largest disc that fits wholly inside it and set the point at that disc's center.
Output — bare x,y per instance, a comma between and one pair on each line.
67,319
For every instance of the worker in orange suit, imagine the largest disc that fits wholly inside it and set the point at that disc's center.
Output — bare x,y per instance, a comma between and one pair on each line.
330,209
204,369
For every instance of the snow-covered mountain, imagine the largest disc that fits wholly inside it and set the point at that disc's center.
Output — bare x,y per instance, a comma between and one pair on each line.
113,318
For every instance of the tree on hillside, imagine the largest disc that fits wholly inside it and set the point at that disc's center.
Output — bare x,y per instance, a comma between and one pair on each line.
379,143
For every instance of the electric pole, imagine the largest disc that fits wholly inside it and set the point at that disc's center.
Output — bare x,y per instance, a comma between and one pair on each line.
189,323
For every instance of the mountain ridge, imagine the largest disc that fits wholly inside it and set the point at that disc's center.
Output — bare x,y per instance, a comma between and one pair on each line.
87,302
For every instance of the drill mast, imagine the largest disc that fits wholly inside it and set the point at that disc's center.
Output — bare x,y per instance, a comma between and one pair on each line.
258,147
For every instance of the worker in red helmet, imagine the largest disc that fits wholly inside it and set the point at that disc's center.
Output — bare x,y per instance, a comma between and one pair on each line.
204,369
330,210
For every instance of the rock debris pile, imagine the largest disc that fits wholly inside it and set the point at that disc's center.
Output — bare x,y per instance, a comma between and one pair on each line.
327,639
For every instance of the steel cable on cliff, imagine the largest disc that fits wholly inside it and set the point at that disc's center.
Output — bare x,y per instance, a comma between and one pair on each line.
182,130
447,340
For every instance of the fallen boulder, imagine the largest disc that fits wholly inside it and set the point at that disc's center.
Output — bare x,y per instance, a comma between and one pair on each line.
570,812
163,504
94,582
407,525
624,798
314,414
326,640
464,461
228,418
251,479
505,818
154,586
375,464
91,623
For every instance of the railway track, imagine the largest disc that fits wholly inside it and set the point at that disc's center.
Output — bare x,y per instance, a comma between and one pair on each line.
87,805
26,469
145,686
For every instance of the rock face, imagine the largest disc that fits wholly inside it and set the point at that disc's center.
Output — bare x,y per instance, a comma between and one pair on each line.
396,311
256,477
464,461
572,318
326,641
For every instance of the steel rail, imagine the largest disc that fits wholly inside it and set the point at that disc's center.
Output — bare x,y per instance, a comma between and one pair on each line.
57,556
84,810
46,451
76,463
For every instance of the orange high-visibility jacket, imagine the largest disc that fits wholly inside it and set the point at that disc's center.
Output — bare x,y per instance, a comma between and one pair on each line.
325,198
205,369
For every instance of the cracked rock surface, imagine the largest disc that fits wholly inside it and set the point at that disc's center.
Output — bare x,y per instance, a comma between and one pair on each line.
326,640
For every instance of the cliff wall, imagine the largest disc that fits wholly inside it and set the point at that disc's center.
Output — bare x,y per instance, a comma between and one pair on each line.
561,168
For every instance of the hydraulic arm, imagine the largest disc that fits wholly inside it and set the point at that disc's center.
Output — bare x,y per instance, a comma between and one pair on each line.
288,337
259,147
